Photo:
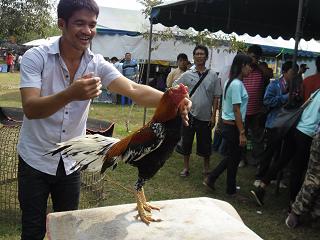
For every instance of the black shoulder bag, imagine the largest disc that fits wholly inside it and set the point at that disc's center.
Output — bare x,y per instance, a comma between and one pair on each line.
203,76
191,118
289,118
199,82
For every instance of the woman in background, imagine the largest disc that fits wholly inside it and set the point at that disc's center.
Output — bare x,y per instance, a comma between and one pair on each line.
234,106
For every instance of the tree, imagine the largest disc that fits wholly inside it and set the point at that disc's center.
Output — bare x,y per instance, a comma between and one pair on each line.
148,5
25,20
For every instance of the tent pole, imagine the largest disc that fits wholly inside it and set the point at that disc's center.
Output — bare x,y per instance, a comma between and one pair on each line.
295,84
298,31
148,68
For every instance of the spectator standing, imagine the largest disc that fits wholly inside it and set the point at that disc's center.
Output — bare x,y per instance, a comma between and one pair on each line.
116,63
302,69
267,74
10,62
254,84
234,106
129,70
182,62
202,116
57,84
276,96
308,198
19,62
159,80
296,148
311,83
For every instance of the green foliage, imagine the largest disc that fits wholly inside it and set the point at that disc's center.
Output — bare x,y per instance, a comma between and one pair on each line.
211,40
149,4
159,37
235,45
25,20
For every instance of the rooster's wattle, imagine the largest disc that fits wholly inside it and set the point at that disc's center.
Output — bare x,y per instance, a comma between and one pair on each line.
147,149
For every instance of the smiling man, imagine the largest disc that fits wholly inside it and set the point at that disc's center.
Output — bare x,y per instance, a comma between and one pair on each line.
57,83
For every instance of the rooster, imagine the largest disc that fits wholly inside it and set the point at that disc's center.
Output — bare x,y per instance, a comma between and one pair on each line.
147,149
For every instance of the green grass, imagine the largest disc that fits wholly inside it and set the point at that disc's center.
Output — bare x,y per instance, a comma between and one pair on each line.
9,90
168,185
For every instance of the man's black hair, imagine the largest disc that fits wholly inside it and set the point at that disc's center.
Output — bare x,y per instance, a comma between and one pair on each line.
66,8
263,64
318,63
182,56
114,59
202,47
256,50
287,66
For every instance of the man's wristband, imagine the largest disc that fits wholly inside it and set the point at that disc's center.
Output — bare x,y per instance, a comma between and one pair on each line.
243,131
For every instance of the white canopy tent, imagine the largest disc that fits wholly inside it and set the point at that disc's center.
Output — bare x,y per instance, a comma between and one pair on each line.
117,45
42,41
312,45
119,32
133,21
111,43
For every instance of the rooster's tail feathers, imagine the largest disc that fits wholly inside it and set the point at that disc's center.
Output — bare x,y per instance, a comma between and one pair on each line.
88,151
113,162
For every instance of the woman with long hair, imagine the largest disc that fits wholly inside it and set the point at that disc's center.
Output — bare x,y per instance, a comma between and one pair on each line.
234,106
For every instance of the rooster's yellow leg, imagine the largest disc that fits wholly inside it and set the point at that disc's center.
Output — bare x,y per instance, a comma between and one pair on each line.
142,206
147,206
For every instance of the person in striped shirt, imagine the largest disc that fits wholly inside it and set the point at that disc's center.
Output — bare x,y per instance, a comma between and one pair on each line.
254,84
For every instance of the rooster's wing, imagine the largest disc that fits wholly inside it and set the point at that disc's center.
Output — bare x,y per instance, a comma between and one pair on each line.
136,146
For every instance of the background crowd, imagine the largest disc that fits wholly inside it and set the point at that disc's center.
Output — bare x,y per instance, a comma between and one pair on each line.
245,101
241,105
11,61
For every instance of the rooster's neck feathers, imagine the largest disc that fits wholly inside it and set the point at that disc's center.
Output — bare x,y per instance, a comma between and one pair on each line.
166,110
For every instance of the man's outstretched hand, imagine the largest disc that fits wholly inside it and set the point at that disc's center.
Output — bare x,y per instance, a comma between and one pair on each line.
184,109
85,88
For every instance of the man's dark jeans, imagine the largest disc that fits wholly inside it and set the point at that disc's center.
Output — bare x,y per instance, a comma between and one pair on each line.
296,148
34,189
270,154
255,124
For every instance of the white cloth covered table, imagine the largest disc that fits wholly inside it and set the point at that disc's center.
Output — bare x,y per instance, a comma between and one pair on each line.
193,218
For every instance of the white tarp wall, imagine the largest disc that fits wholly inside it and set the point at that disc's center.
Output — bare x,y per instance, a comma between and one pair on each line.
135,21
116,45
42,41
